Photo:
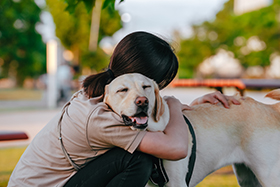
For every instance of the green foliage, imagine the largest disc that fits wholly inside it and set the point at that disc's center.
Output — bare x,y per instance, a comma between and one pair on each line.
73,30
72,4
109,3
110,22
89,4
97,60
22,51
223,32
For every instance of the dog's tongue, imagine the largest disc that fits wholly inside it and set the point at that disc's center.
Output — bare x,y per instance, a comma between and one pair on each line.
139,120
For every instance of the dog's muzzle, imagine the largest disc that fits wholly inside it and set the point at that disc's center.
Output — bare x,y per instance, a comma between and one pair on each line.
140,119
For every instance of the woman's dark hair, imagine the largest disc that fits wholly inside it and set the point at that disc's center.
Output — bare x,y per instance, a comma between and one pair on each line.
138,52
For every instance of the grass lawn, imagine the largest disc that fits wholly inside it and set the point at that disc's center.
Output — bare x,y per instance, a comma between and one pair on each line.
20,94
8,160
224,177
10,156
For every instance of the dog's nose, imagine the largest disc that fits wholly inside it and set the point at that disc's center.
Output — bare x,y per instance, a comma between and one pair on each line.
141,101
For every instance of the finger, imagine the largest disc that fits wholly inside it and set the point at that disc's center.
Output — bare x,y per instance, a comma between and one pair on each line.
222,99
186,107
211,98
234,101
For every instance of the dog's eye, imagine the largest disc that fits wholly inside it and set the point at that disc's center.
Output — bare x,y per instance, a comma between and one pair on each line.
146,86
123,90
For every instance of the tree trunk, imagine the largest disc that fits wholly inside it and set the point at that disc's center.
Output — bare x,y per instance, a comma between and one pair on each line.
94,29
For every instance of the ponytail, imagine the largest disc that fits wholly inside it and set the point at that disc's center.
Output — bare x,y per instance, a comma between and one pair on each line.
94,85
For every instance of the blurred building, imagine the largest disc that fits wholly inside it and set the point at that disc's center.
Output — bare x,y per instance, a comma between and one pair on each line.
273,71
243,6
221,65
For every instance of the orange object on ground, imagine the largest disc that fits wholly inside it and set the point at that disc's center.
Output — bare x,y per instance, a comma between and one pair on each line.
209,83
218,84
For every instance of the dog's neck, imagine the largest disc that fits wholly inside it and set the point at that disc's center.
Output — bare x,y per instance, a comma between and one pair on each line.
162,122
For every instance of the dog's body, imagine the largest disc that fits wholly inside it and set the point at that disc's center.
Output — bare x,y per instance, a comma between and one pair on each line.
247,134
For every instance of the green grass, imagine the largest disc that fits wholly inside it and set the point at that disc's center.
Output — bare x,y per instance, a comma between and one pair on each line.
8,160
221,178
10,156
219,181
20,94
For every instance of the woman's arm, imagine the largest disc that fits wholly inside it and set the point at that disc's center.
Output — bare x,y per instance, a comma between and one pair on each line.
172,144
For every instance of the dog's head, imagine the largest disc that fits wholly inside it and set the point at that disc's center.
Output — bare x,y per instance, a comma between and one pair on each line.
136,99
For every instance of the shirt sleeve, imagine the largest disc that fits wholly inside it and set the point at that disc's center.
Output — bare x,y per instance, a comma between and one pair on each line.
105,130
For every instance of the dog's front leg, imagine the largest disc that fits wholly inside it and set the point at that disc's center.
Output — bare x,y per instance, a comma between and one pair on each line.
176,171
245,176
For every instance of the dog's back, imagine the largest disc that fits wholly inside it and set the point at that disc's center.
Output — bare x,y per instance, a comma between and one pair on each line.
248,133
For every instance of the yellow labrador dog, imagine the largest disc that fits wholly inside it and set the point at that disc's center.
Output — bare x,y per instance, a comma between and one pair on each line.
246,134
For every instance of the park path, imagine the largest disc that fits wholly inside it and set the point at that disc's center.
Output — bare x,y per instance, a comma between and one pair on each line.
30,122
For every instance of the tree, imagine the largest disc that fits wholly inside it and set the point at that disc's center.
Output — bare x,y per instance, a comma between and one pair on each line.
22,50
89,4
233,33
73,30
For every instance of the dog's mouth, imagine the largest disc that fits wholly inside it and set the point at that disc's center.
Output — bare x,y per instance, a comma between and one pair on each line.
138,121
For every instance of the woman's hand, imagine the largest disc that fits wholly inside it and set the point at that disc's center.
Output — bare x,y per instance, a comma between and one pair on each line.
172,101
215,98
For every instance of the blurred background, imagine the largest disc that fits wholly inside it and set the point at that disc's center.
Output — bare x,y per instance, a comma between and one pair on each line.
47,47
58,43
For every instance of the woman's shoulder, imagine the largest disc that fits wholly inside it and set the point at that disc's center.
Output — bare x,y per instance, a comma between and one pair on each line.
93,108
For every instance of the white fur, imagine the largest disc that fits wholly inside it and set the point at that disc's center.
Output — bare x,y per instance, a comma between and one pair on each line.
163,120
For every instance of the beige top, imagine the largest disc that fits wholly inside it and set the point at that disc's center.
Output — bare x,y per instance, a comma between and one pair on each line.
88,127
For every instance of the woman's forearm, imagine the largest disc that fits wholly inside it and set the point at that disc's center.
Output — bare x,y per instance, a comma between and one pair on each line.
172,143
177,130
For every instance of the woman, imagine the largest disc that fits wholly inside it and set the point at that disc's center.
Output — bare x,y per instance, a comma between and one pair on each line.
88,145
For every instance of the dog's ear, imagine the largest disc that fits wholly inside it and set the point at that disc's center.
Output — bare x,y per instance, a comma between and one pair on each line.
159,106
